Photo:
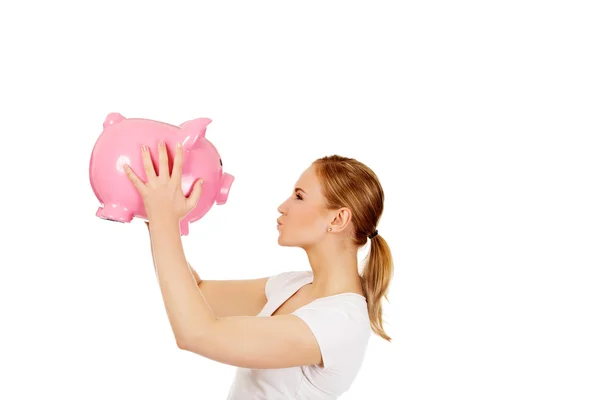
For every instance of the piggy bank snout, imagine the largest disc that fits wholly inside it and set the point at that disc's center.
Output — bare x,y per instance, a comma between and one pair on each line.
223,194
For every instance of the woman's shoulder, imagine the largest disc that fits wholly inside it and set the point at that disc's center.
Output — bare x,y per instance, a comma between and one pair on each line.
291,274
350,308
280,280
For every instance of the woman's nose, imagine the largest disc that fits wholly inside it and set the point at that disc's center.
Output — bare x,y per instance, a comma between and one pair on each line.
280,208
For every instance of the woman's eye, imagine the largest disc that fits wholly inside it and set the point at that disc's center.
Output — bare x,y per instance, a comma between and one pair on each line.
298,197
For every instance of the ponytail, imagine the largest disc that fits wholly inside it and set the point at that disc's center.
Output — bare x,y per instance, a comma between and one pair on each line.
375,279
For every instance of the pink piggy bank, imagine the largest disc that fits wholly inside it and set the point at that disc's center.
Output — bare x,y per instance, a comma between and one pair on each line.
120,143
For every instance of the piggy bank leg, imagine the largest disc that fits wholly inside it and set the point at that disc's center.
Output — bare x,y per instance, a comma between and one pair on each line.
184,227
115,212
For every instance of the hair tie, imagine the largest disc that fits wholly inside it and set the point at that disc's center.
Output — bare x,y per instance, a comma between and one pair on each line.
372,235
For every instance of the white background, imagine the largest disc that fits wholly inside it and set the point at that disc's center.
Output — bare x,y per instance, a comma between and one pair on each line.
480,118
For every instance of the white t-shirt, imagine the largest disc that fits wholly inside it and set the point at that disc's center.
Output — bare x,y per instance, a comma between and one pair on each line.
341,326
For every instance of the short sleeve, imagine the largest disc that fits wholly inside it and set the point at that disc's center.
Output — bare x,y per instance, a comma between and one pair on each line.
341,328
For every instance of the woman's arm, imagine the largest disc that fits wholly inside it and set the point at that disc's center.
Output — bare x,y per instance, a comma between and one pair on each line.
281,341
184,303
245,341
194,273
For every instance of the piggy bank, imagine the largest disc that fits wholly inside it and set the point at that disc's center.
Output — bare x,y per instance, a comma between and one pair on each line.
120,143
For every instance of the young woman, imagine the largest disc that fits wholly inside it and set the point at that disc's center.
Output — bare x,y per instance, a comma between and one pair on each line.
297,334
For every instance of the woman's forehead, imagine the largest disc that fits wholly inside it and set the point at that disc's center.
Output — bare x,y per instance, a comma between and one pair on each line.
308,181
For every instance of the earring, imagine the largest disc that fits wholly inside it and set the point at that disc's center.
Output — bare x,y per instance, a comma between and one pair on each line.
329,229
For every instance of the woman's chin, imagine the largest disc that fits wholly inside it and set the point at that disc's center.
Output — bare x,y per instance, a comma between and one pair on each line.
283,242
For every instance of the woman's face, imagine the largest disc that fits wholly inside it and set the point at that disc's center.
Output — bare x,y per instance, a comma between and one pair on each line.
304,218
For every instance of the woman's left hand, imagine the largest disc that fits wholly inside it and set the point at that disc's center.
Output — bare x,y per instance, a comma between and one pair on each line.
162,194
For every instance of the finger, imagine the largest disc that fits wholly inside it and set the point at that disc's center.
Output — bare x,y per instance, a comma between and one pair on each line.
194,196
147,161
163,160
137,182
177,164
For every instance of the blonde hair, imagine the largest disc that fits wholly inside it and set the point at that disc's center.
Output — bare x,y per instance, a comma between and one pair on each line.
347,182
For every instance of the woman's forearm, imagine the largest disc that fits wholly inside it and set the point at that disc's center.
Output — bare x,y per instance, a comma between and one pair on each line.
192,271
188,312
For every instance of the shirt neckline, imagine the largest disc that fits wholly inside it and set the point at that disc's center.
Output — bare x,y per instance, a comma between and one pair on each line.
286,296
310,278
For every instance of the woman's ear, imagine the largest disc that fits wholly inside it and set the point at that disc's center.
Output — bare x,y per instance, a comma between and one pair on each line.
341,219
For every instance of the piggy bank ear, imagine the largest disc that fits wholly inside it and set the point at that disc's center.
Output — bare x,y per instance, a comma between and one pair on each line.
192,131
112,119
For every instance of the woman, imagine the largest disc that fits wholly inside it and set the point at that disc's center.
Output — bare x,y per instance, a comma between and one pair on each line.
297,334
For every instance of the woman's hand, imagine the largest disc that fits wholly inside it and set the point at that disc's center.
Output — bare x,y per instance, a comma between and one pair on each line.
162,194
